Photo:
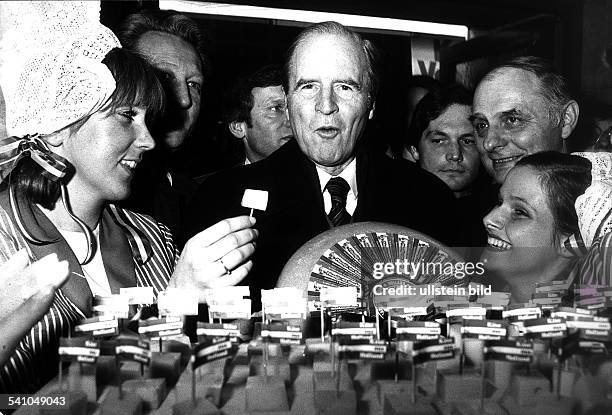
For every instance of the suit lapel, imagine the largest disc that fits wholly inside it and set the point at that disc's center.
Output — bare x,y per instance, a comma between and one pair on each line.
295,185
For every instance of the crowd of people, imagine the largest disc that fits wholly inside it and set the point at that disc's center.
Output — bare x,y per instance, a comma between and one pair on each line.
89,202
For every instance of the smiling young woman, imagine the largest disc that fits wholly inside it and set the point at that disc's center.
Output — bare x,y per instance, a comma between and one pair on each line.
528,229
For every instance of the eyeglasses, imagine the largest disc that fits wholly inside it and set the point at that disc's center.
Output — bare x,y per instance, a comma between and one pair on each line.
604,141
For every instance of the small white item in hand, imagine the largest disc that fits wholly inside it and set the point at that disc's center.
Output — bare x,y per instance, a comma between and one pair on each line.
255,199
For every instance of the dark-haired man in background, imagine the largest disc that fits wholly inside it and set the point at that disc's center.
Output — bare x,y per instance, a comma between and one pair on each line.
442,142
256,113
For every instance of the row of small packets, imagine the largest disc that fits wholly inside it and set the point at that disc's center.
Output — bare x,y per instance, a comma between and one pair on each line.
579,329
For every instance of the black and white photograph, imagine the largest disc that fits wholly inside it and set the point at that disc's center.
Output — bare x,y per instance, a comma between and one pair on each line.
337,207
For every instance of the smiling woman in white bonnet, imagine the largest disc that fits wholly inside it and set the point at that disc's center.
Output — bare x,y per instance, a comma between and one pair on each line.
78,114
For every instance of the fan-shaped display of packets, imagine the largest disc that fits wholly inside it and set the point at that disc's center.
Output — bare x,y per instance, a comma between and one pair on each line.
350,262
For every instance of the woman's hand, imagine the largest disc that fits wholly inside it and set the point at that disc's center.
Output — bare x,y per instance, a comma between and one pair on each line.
217,256
27,294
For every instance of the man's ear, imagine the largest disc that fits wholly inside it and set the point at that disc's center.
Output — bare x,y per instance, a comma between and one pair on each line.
570,118
238,129
414,153
372,108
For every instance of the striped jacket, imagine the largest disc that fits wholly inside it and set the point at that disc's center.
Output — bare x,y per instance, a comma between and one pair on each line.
595,268
125,238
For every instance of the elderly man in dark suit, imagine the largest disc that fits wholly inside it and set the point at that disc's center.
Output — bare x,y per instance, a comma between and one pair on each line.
324,177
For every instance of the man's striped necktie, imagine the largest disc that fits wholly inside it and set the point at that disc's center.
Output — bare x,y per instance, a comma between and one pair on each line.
338,188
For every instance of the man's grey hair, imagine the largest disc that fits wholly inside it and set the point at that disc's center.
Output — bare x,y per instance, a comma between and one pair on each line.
369,51
166,21
553,86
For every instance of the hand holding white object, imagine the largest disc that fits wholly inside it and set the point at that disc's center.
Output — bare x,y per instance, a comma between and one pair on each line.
217,257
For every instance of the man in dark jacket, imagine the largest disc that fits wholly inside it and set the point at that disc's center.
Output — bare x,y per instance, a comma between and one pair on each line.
324,177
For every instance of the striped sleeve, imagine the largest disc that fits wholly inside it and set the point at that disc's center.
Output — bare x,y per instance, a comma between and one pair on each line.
158,269
34,360
595,268
10,240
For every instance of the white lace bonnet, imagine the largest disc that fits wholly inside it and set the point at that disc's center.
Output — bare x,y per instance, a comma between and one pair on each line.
594,207
51,72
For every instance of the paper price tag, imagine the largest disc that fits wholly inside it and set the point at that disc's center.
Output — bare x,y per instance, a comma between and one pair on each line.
339,296
138,295
241,309
115,305
226,294
177,302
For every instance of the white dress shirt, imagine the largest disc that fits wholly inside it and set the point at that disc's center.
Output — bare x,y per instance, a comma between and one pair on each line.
350,175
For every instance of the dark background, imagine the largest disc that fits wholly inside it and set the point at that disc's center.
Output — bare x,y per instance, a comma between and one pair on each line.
574,34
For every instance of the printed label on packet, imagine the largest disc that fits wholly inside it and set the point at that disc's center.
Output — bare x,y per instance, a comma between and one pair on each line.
78,349
99,326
